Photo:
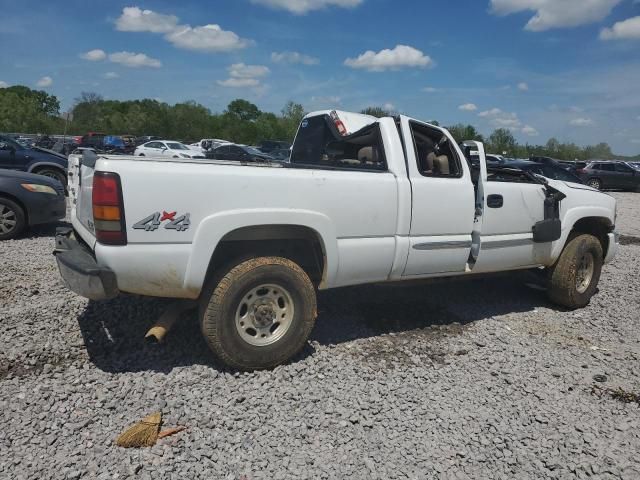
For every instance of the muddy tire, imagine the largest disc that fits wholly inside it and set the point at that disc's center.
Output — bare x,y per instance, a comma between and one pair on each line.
259,314
12,219
574,278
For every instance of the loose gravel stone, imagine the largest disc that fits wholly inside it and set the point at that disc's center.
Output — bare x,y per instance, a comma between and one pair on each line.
475,379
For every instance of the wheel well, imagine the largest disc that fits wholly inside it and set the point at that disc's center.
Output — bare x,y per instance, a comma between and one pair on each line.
302,245
599,227
19,203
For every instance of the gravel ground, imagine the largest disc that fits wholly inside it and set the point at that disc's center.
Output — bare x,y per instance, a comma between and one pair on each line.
481,379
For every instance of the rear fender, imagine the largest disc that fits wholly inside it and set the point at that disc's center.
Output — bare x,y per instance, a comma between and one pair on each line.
213,228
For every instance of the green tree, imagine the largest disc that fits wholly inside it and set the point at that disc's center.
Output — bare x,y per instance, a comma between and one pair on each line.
378,112
243,110
502,141
462,132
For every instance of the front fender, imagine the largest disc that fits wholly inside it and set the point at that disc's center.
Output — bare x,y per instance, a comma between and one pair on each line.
214,227
571,217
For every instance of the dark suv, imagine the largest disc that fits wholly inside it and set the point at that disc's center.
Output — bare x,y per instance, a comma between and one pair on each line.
610,174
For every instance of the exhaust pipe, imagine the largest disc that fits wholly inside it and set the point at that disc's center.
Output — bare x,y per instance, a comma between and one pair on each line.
167,320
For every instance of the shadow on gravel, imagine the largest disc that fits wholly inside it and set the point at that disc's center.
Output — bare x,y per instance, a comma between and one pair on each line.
45,230
113,330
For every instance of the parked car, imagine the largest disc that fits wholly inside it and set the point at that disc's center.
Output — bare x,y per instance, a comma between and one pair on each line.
27,199
610,174
144,139
253,243
166,148
548,169
268,146
208,144
14,156
282,154
239,152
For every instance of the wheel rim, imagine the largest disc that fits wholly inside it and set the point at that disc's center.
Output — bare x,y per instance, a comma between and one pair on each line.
8,219
594,184
584,272
264,315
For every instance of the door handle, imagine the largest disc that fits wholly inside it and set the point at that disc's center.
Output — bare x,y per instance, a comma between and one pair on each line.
495,201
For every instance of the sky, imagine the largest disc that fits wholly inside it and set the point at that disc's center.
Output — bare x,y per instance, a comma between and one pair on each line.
568,69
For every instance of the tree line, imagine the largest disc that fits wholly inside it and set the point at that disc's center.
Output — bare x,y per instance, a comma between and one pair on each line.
33,111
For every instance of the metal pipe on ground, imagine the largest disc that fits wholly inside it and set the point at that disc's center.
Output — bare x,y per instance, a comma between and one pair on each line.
167,320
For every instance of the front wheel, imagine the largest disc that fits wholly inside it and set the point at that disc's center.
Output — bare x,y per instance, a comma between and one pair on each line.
574,278
260,314
595,183
12,219
55,174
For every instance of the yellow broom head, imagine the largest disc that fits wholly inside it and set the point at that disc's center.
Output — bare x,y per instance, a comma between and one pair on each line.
142,434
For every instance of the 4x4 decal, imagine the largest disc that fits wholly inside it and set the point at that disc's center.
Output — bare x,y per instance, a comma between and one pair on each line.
153,222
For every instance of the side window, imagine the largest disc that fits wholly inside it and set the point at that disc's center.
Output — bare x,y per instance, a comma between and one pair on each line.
236,150
154,145
607,167
435,155
318,144
622,168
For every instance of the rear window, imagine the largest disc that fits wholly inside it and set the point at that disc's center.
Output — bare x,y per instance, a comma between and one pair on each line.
318,144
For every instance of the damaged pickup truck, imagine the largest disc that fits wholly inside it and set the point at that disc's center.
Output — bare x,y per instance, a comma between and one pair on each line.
362,200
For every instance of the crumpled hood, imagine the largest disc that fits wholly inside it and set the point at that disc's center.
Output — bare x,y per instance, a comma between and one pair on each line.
50,152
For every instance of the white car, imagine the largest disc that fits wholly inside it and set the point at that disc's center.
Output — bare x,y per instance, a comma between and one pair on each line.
166,148
363,200
208,144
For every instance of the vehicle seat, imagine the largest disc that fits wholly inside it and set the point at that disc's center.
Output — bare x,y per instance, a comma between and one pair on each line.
441,165
368,155
427,162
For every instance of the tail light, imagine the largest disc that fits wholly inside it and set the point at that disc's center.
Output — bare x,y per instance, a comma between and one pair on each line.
342,130
580,170
108,209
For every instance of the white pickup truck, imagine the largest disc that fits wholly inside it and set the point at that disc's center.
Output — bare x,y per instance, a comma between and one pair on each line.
362,200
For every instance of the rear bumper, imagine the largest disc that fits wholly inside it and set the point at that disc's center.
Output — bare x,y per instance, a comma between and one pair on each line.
79,269
614,244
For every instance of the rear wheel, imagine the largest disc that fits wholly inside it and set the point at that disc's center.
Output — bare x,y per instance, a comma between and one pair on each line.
12,219
260,314
595,183
574,278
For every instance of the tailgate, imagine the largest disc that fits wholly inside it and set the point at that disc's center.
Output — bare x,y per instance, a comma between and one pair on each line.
81,168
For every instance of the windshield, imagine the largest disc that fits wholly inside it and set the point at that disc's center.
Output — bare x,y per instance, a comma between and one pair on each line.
11,142
176,146
252,151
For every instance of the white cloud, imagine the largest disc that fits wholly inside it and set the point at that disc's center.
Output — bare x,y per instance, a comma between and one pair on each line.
293,57
133,19
468,107
134,60
389,107
300,7
208,38
402,56
44,82
509,120
242,76
3,84
581,122
329,100
239,82
111,75
430,89
523,87
575,109
626,30
94,55
556,13
240,70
